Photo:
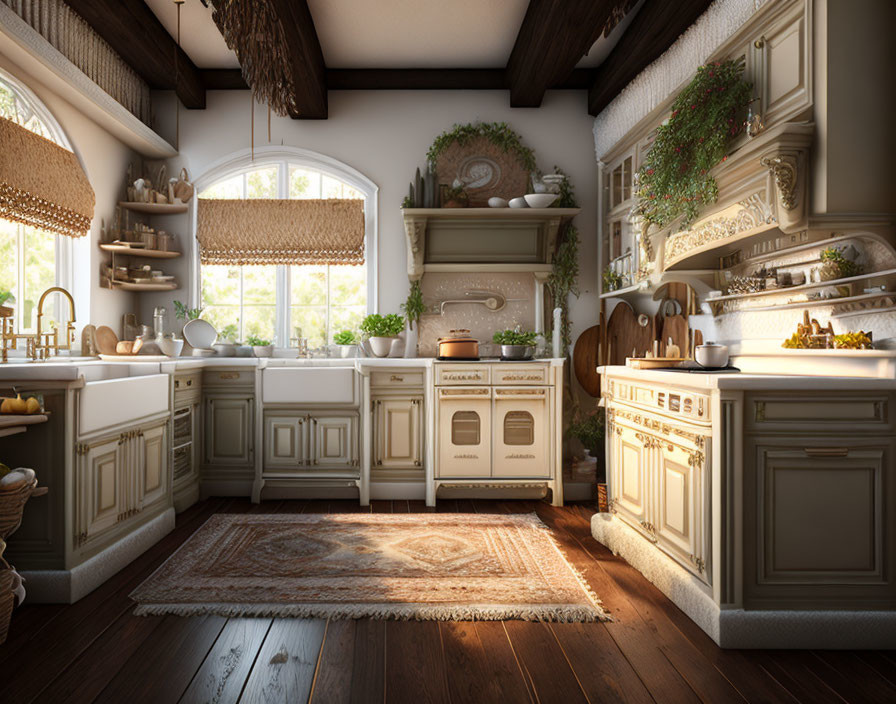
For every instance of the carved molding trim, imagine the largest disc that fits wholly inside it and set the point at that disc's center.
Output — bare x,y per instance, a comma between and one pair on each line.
415,229
657,426
784,169
753,212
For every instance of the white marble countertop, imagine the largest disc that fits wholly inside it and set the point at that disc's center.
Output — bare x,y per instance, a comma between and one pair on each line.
65,370
745,381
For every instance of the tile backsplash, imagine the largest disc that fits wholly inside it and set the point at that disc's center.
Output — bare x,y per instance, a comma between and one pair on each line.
519,289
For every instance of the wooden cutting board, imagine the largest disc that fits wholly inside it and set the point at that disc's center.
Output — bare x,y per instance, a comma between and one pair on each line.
676,327
624,334
585,360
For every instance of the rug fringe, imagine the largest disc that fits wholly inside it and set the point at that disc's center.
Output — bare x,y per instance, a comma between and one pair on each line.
387,612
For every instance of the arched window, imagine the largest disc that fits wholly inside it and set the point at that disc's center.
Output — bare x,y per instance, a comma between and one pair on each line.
279,302
31,260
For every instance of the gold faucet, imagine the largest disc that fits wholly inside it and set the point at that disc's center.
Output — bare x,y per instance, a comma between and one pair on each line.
40,343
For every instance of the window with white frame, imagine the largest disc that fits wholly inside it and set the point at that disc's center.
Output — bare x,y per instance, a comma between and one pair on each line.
279,302
31,260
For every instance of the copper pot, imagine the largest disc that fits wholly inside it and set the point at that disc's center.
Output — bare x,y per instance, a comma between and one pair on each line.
458,345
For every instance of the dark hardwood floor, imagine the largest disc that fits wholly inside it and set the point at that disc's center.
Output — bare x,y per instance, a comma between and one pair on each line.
96,650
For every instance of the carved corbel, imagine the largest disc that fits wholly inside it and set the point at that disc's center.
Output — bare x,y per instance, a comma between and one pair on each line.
415,229
784,169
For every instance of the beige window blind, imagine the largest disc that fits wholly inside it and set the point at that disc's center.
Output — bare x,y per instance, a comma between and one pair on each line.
42,184
261,231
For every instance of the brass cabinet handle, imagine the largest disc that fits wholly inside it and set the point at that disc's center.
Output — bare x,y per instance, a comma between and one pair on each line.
826,451
229,375
395,377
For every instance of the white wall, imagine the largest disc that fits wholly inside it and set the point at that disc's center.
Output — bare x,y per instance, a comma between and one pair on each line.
104,160
385,136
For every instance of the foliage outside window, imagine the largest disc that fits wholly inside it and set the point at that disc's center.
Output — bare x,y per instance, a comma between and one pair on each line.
318,300
31,260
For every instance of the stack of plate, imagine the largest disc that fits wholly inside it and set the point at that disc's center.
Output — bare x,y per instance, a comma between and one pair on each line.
201,335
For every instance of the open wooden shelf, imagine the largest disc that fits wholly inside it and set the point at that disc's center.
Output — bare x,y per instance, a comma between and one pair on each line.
819,302
154,208
130,286
803,287
122,250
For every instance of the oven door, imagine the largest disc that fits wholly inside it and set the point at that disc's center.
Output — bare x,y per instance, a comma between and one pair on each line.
521,433
464,422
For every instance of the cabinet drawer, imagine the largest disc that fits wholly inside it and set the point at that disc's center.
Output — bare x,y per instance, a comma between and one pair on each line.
535,374
187,382
228,377
397,379
462,375
844,412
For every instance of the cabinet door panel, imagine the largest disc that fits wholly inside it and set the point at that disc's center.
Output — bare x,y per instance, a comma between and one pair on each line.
334,441
397,434
101,482
228,431
630,473
285,442
153,466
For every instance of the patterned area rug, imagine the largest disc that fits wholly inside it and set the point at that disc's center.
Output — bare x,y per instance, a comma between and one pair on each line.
383,566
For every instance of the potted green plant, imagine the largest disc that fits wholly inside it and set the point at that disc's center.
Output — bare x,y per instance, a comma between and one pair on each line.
381,330
836,266
6,297
516,343
413,308
455,197
612,280
226,344
347,343
186,314
260,346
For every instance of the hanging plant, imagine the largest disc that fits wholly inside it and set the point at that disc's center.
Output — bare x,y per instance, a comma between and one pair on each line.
498,133
563,281
705,117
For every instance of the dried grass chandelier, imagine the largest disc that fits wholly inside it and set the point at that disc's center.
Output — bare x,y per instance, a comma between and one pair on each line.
254,33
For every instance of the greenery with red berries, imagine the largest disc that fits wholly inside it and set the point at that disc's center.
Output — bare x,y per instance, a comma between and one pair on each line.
705,117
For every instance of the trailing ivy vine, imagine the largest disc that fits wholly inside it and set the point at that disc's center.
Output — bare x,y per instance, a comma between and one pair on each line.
498,133
564,276
706,115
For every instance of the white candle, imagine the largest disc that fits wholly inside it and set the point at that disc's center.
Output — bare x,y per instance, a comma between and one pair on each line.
556,336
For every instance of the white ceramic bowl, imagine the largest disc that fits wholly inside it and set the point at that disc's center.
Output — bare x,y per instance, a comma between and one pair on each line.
225,349
495,202
263,350
711,355
170,347
540,200
200,334
519,203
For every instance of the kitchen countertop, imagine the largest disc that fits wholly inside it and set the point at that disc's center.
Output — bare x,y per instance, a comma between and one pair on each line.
65,370
748,381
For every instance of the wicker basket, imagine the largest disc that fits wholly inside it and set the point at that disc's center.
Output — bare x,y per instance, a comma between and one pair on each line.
7,598
11,505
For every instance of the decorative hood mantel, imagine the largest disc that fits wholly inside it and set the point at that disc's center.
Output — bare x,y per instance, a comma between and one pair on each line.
763,185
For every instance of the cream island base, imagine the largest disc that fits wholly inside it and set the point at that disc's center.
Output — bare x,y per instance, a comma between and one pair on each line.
764,506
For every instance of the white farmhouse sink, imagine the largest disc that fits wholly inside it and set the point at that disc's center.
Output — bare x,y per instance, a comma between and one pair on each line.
115,402
300,385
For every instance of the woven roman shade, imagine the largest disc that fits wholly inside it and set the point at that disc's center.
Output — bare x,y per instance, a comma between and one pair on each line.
42,184
258,231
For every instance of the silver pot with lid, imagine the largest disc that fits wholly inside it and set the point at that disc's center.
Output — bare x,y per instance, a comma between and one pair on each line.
711,354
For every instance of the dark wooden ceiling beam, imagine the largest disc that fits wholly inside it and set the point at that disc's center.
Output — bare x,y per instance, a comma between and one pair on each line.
653,30
402,79
306,59
136,34
554,36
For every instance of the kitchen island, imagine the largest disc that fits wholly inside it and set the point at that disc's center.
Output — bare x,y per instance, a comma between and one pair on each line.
762,504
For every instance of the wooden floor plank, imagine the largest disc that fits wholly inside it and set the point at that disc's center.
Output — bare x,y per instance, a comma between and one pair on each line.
317,506
292,506
418,506
881,664
178,650
504,665
473,676
415,664
333,684
600,666
226,668
380,506
852,678
286,664
788,670
544,663
92,671
368,685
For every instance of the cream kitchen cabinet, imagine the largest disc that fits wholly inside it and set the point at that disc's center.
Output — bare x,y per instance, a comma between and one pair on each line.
659,484
398,434
300,441
229,430
118,477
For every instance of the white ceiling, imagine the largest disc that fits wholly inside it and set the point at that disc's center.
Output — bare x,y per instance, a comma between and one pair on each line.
385,33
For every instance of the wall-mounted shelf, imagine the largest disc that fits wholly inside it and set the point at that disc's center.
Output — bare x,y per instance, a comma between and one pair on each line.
642,286
130,286
466,239
861,298
154,208
804,287
122,250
